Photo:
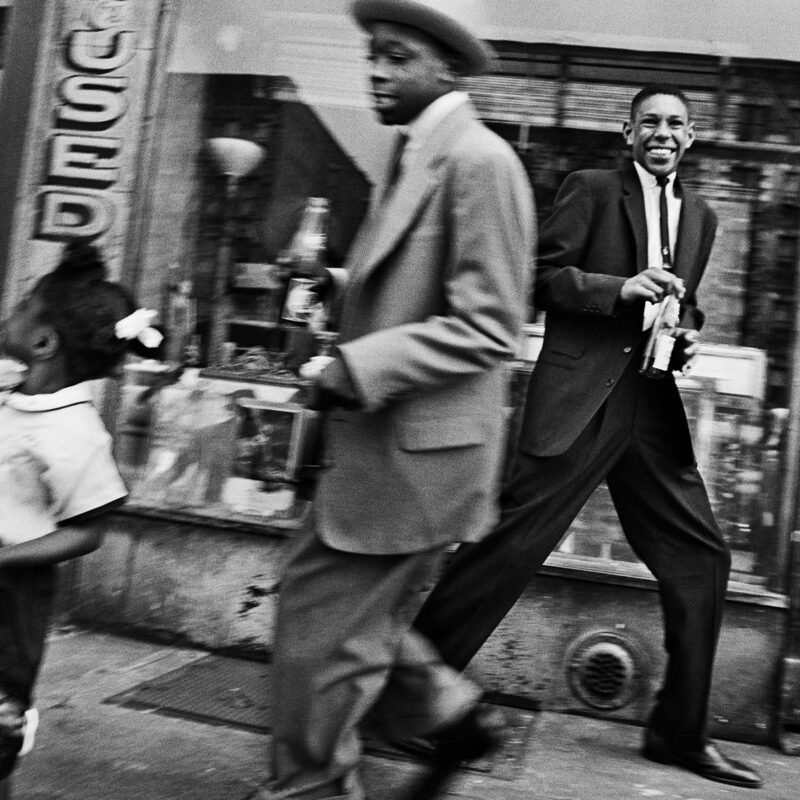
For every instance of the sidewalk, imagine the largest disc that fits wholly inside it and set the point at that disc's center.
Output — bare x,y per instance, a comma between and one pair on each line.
94,751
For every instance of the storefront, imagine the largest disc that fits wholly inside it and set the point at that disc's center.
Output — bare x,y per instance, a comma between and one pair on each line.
114,143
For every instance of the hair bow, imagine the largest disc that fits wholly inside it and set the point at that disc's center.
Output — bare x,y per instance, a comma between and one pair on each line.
138,326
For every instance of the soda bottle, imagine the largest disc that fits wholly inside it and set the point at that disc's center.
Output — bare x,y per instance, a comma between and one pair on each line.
306,258
658,352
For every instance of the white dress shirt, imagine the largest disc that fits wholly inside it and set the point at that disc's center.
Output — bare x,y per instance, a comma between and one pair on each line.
652,195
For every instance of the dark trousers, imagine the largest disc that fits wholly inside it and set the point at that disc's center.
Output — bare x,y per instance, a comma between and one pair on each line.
26,597
634,443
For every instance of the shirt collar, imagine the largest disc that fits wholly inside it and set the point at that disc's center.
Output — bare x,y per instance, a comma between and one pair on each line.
421,126
648,180
69,396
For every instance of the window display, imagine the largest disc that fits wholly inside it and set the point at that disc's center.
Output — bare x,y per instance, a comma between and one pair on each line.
223,448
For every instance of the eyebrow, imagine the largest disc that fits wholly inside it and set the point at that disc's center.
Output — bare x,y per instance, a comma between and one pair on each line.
395,44
671,117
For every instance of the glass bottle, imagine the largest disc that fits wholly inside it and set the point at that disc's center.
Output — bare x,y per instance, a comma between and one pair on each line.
306,258
658,352
181,320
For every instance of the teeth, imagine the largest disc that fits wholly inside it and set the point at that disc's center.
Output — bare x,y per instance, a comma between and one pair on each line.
660,151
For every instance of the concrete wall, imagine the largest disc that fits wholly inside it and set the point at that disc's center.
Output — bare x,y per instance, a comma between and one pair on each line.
180,582
216,588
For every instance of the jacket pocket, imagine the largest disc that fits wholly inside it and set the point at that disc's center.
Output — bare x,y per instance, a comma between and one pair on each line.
440,434
566,348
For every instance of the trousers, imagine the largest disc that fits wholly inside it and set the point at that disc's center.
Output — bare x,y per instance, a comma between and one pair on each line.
665,514
344,650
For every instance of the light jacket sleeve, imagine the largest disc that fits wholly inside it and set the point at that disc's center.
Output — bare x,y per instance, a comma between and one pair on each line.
487,276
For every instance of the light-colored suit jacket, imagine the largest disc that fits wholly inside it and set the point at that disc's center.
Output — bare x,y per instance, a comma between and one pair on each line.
438,281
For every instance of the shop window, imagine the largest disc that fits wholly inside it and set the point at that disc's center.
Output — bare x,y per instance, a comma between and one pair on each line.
560,108
738,396
755,122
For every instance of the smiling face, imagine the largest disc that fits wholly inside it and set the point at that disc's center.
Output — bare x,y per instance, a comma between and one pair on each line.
408,72
659,133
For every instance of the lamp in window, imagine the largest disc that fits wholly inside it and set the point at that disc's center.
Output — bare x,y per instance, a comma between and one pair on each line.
234,158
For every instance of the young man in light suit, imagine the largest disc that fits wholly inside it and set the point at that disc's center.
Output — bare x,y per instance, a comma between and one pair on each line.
590,416
437,282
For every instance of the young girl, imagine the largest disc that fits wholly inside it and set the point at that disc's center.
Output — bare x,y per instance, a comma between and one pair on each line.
56,469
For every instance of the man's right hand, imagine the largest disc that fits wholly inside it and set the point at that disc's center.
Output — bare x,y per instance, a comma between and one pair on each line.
652,284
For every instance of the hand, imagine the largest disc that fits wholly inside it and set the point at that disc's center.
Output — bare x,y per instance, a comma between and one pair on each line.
320,275
652,284
332,387
312,368
686,350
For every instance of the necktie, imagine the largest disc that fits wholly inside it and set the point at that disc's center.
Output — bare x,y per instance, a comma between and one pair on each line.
396,166
651,309
666,257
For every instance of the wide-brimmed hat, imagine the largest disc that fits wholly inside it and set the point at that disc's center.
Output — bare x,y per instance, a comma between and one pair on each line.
476,54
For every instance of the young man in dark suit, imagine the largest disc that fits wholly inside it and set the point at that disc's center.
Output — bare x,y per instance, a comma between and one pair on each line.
604,260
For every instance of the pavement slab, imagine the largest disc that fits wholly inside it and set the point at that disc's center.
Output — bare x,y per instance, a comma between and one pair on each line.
91,750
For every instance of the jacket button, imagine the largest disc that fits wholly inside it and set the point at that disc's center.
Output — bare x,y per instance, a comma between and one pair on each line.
610,382
627,349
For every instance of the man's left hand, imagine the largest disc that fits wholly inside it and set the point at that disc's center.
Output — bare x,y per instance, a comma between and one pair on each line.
312,368
686,350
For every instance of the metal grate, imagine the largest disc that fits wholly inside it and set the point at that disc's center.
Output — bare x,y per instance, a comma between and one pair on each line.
219,690
604,670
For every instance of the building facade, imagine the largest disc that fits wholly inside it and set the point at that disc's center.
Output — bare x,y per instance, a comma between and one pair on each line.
108,130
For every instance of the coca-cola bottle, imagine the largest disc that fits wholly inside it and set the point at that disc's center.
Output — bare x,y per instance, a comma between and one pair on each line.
658,352
306,257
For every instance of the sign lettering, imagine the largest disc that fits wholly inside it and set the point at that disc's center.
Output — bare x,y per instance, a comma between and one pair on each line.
83,150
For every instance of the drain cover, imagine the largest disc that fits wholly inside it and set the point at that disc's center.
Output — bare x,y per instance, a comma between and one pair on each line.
604,669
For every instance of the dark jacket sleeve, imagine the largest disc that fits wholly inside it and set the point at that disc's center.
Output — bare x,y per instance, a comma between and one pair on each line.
564,242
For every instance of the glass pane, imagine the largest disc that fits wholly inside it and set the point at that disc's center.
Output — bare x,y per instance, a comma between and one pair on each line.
562,111
222,448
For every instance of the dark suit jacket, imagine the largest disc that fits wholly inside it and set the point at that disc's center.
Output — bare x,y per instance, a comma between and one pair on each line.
595,239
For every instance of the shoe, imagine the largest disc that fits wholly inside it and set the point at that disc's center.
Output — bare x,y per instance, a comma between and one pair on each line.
707,762
347,788
417,746
481,732
12,732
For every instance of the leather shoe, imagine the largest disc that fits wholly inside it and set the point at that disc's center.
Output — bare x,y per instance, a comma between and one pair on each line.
708,762
481,732
346,788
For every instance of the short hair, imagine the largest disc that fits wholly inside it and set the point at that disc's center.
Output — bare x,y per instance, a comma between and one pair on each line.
652,89
84,307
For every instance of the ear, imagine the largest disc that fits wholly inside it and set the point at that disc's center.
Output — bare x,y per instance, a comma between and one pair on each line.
627,132
45,342
690,134
451,69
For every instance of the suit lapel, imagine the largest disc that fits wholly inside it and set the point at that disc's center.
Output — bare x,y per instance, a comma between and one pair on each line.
391,218
633,202
689,235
